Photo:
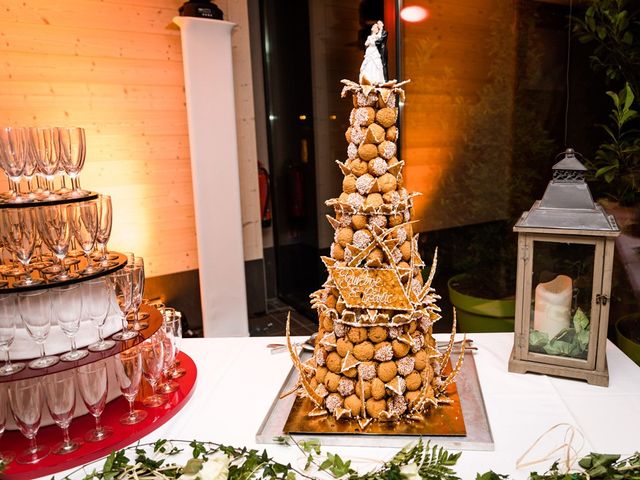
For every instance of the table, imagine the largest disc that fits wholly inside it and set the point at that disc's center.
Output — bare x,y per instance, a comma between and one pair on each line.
238,379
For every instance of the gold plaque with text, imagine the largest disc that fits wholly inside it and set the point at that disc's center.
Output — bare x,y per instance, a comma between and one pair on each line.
370,288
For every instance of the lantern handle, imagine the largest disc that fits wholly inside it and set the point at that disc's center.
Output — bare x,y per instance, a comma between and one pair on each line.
571,152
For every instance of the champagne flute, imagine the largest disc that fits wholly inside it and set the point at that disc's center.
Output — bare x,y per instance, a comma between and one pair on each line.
55,230
73,150
104,230
122,284
97,307
25,397
67,308
44,143
128,365
176,326
152,350
13,149
18,228
35,311
137,269
84,222
60,392
30,168
168,385
9,318
5,457
7,266
94,385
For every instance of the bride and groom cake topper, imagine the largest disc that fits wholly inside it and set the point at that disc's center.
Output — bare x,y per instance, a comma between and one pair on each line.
374,65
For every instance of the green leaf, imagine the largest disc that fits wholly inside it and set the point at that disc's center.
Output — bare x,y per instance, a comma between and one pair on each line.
582,339
558,347
580,320
538,339
627,38
491,475
193,466
601,171
609,177
628,97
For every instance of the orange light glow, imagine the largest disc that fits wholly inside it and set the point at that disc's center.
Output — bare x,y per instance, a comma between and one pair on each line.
414,14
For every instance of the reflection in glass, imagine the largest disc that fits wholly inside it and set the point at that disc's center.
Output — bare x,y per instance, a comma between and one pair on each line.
60,392
128,367
5,457
9,319
26,397
93,384
562,280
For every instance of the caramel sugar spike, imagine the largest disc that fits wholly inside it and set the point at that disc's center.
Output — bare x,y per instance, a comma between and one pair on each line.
452,340
456,369
315,398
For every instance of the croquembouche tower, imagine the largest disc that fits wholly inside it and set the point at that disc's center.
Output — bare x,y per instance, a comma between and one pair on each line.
375,357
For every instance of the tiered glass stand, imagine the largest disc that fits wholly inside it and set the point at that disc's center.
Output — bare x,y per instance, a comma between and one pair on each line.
123,434
59,200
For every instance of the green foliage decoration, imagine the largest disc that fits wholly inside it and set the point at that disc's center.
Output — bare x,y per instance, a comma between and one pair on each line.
418,460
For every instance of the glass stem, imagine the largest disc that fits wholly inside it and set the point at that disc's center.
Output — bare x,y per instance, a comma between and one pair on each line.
136,323
100,335
65,435
75,183
63,270
73,345
15,187
33,445
98,425
8,362
42,354
131,400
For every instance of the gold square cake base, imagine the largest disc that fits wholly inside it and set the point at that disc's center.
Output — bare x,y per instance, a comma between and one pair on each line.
445,420
476,423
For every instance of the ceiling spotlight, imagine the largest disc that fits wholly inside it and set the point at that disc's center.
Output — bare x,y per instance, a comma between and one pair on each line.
414,14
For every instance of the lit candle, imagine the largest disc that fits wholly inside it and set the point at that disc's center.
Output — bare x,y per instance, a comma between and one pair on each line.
553,305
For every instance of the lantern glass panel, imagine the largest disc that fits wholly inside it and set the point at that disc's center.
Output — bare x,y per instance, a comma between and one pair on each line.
561,298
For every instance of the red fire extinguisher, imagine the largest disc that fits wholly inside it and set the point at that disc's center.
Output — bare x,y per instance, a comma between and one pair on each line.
265,196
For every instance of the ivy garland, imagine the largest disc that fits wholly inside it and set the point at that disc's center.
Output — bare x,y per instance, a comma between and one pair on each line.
418,460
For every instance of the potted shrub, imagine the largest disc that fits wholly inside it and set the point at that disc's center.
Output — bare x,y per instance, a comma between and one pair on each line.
484,294
612,27
628,336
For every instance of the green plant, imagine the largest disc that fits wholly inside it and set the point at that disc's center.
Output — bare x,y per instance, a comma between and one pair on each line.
614,30
617,161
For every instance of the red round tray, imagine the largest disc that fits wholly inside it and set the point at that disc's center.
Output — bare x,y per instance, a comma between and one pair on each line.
123,435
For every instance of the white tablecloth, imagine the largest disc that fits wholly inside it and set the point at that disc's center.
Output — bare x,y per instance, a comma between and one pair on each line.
238,379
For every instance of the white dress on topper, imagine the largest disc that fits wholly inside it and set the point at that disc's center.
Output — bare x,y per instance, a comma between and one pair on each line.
371,67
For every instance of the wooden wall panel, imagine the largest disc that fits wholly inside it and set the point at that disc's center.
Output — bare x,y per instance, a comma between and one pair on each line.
115,68
456,128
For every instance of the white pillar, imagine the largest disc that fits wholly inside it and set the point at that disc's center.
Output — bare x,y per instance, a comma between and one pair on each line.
208,72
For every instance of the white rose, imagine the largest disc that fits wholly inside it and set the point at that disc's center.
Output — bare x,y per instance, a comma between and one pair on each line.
215,468
410,472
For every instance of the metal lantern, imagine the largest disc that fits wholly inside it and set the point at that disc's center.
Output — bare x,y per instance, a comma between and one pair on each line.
565,257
